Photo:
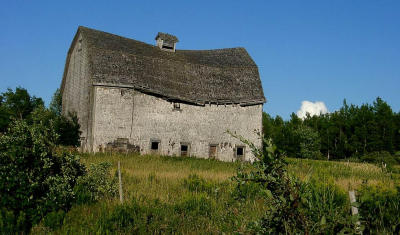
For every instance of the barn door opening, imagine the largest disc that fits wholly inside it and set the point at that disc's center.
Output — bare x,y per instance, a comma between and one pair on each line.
184,149
213,151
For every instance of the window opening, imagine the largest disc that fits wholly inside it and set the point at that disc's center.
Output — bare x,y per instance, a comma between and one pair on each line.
155,145
213,151
184,150
177,106
240,152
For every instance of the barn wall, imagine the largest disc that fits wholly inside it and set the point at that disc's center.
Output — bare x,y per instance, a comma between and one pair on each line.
140,118
76,92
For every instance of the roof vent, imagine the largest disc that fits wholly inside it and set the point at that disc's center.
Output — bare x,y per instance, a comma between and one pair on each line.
166,41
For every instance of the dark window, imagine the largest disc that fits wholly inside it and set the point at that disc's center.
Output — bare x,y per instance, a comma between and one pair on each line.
240,151
155,145
167,45
184,149
213,151
177,106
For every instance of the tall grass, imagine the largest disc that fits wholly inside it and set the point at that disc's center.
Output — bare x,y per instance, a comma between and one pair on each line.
190,195
346,175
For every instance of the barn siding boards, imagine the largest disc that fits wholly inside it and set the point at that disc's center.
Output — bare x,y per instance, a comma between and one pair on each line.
155,118
75,93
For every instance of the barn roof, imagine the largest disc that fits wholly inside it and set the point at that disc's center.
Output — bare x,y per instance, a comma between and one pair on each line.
166,36
220,76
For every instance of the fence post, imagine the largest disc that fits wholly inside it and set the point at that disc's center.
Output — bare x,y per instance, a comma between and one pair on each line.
121,196
354,209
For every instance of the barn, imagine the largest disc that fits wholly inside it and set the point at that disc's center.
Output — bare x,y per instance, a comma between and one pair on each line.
134,96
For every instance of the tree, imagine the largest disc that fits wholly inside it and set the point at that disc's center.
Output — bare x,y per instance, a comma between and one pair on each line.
19,103
56,103
308,142
67,126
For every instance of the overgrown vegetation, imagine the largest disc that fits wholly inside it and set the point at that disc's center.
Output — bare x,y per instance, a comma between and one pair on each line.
38,183
33,179
20,105
55,191
189,195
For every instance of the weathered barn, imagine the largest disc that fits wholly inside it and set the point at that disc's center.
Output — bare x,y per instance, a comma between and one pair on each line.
131,95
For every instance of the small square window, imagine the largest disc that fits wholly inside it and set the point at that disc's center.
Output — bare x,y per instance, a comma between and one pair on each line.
155,145
239,152
177,106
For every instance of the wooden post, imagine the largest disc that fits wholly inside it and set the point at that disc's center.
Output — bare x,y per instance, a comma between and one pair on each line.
354,209
121,196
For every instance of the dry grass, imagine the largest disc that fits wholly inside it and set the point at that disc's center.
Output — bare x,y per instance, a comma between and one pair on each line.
158,185
347,175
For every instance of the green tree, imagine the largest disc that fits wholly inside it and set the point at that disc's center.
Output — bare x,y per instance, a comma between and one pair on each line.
308,142
19,103
16,104
56,103
66,126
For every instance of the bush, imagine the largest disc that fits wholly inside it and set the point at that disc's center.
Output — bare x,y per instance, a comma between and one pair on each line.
294,207
33,179
54,219
381,157
282,190
326,206
96,184
380,209
122,218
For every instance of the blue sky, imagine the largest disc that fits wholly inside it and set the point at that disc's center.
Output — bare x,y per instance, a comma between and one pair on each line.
306,50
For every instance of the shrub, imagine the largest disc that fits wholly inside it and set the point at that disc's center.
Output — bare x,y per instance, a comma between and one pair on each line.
282,190
294,207
383,158
96,184
33,179
380,209
326,206
54,219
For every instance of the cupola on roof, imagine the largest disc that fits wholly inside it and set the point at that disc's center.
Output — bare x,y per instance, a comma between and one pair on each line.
220,76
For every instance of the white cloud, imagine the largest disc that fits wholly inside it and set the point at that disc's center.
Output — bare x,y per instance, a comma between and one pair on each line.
316,108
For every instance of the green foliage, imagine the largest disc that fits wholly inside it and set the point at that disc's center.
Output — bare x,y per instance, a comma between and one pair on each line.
56,103
196,184
67,126
293,207
352,131
54,219
154,217
380,209
19,105
381,157
326,206
34,180
96,184
282,190
308,142
16,104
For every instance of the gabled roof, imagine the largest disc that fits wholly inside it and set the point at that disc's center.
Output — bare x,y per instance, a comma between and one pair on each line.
167,37
220,76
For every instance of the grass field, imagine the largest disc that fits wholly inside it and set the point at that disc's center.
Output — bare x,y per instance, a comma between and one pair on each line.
188,195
